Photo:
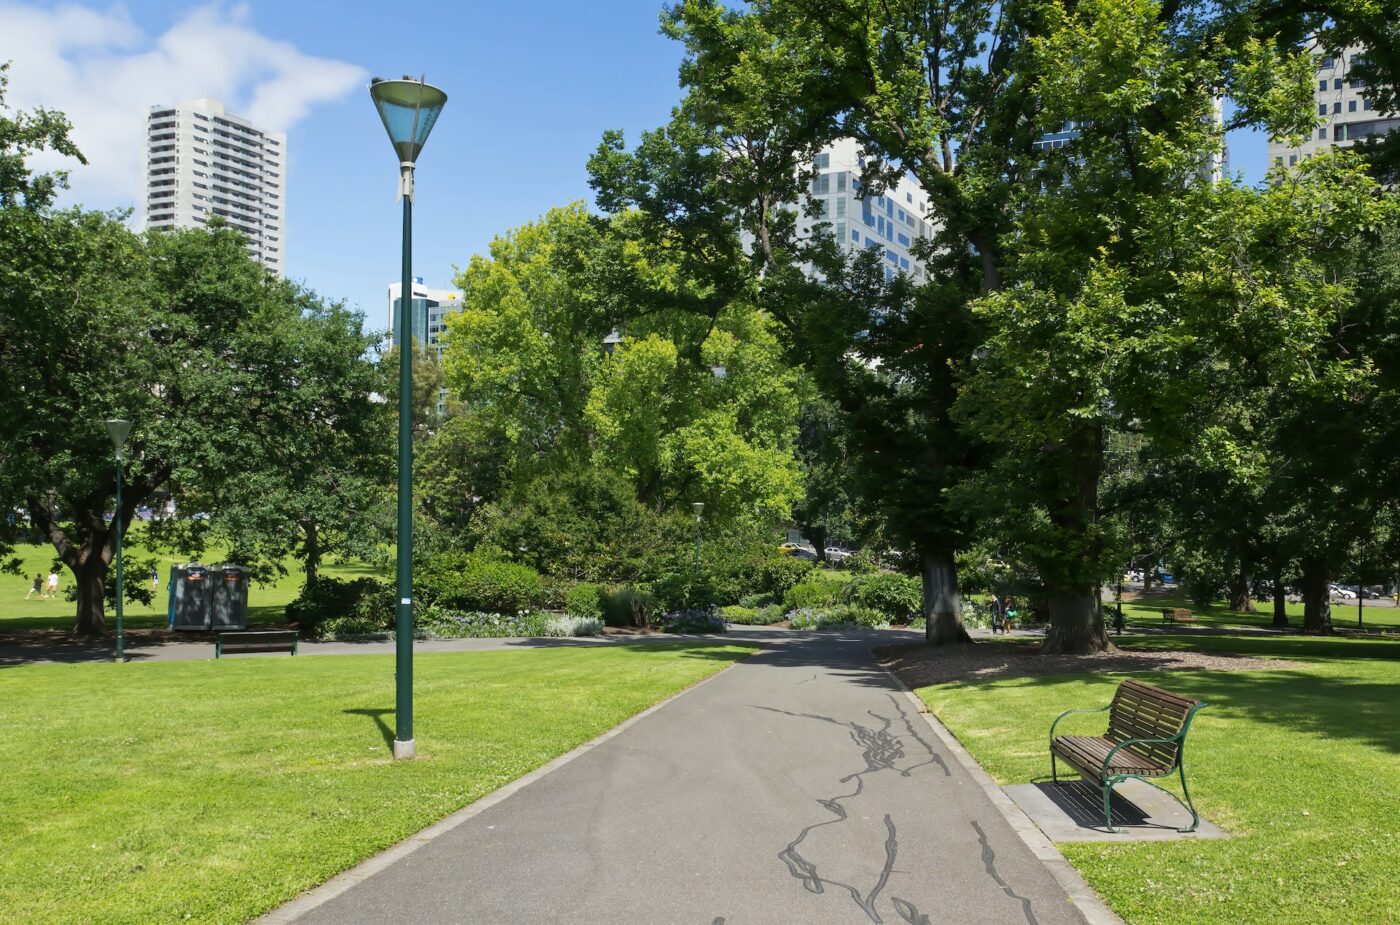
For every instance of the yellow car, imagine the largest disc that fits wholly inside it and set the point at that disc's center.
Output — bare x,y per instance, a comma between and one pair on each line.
788,549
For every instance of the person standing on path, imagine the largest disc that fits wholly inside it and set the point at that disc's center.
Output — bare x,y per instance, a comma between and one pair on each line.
37,589
997,611
53,583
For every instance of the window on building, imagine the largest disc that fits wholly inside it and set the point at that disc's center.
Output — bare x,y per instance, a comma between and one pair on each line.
1339,133
1292,160
904,263
841,207
1278,161
1336,107
1322,134
821,185
823,161
908,197
1324,64
840,231
1322,85
1351,105
841,182
903,239
1366,105
1322,109
855,236
1336,83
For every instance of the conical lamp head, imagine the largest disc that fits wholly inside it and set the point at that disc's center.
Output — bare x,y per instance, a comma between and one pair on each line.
117,431
409,109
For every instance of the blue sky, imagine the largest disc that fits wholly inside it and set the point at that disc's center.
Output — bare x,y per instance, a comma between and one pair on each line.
532,84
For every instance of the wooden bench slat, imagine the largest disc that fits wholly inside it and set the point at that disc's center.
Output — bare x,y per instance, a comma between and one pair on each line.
256,641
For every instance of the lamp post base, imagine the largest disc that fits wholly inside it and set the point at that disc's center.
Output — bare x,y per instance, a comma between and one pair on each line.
404,750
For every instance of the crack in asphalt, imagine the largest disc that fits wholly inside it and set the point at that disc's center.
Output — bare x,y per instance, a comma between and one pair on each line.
989,858
881,750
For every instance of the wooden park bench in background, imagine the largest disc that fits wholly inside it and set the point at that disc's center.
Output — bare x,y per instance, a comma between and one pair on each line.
1177,615
1146,738
255,641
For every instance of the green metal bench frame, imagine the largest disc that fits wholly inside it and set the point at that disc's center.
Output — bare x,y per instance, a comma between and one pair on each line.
1102,775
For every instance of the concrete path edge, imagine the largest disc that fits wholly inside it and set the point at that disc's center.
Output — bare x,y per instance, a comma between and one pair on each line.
293,909
1094,910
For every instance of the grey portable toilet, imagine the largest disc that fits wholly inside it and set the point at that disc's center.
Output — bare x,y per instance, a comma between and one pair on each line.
228,596
191,597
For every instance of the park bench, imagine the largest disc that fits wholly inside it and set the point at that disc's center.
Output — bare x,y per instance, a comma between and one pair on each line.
1177,615
1146,738
256,641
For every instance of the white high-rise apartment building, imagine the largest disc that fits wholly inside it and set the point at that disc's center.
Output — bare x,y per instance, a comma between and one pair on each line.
1348,113
889,223
202,162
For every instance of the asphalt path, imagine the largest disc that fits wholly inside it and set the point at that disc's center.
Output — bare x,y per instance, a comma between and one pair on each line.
799,785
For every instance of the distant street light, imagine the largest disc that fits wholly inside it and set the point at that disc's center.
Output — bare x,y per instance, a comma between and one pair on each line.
409,108
117,430
699,509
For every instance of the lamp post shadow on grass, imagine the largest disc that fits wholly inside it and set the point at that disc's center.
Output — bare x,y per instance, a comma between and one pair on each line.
378,717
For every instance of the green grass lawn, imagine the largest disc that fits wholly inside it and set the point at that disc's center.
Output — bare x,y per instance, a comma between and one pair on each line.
1375,615
214,791
1300,765
266,603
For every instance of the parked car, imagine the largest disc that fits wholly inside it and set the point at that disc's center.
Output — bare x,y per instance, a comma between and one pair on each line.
1343,593
788,549
838,554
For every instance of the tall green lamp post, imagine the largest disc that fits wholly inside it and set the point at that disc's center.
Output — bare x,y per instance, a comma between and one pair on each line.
699,509
409,109
117,431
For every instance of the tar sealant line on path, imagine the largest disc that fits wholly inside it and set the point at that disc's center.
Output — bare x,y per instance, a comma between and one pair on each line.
319,895
1094,910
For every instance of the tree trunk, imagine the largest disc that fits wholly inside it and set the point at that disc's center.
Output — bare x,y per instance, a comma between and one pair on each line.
90,581
1280,601
941,604
818,538
1317,609
1239,589
311,549
1076,624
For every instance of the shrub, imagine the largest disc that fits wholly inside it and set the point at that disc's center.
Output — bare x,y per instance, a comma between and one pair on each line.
627,607
492,587
755,601
569,625
750,616
584,600
862,562
839,617
443,623
354,627
898,597
684,591
781,573
326,599
813,593
693,621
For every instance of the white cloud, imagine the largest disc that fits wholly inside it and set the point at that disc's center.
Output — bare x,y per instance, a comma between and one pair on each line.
105,73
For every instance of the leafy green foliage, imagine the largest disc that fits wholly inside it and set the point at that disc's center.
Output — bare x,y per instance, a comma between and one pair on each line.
897,597
838,617
364,601
584,600
816,591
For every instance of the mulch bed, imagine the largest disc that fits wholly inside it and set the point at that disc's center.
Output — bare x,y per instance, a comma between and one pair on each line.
919,665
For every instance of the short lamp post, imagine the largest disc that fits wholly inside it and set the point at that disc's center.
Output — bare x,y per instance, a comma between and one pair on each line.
117,431
409,108
699,507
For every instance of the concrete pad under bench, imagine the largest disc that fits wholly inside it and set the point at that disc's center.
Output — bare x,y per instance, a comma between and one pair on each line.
1073,811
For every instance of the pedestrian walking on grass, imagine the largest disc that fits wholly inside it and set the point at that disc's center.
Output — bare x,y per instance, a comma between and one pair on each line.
53,583
155,579
37,589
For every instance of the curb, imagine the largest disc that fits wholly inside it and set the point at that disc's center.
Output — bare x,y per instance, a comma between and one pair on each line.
293,909
1082,895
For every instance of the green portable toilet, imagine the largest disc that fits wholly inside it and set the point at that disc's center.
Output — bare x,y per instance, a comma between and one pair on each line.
191,597
228,597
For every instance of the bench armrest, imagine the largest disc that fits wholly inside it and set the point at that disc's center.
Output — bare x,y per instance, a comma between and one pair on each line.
1173,740
1068,712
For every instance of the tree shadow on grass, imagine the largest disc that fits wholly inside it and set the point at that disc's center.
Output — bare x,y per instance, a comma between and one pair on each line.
1326,706
378,717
